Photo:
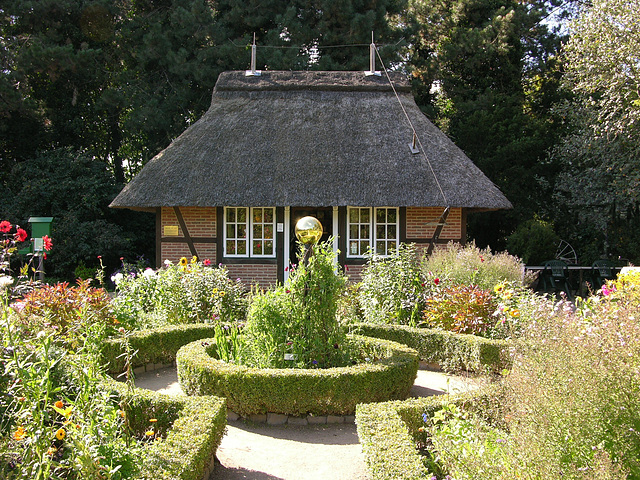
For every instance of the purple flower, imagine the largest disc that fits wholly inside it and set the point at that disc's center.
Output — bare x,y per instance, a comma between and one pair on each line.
425,417
315,362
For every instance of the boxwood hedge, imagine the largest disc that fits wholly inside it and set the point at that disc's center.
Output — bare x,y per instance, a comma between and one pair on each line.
388,431
191,427
451,351
155,346
331,391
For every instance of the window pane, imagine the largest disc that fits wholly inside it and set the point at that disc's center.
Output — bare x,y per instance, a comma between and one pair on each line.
380,248
380,215
353,248
242,215
268,247
242,231
231,214
257,247
391,232
364,215
364,231
257,215
268,231
353,215
392,215
364,247
268,215
231,230
242,247
380,231
353,231
257,231
231,247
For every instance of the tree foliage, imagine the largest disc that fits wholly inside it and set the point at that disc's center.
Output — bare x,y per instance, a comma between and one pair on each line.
486,71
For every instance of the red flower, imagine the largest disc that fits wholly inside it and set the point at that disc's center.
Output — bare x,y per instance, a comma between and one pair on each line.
206,262
5,226
436,280
20,235
48,244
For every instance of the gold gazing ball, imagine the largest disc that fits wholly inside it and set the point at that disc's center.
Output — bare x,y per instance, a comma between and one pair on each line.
308,230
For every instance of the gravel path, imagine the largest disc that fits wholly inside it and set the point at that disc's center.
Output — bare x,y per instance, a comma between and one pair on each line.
287,452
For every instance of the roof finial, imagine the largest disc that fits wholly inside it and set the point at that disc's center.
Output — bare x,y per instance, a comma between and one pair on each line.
253,72
372,59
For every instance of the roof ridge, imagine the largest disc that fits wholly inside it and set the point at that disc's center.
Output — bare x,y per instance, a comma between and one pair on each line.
292,80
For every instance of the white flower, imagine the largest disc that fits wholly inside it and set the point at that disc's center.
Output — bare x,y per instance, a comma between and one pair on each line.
5,281
117,278
149,272
167,263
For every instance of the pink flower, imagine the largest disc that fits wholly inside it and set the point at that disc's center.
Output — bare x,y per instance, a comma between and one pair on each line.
48,244
21,235
5,226
436,281
206,262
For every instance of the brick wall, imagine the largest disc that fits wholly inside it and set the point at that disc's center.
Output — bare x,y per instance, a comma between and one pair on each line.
419,217
249,274
201,223
354,272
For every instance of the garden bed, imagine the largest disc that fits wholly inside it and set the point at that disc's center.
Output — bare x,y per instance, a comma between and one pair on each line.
388,432
191,427
331,391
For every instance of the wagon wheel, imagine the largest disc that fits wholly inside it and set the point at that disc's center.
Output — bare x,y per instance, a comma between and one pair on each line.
566,253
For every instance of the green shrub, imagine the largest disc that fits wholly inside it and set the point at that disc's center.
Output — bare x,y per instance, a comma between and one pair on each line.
67,311
187,431
387,371
392,288
451,351
460,309
155,346
390,432
469,265
189,292
535,241
299,319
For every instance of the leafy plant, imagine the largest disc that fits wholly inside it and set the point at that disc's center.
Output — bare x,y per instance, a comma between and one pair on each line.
392,288
460,309
470,265
296,325
189,292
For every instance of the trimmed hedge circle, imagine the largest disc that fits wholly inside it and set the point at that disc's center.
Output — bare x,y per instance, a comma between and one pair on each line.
298,392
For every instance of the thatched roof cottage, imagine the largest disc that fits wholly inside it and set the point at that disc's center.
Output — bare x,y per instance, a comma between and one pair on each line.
336,145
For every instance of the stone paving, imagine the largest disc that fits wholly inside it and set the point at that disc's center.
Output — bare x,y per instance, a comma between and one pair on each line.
277,450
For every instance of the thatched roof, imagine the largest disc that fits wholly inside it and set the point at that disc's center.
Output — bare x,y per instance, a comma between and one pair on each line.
310,139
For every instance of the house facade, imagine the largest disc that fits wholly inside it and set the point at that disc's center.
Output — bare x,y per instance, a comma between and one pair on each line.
350,149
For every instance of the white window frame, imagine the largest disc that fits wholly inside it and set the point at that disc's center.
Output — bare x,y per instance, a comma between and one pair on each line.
373,224
249,238
262,239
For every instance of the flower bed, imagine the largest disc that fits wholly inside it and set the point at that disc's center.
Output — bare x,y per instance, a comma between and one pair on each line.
388,433
193,428
332,391
451,351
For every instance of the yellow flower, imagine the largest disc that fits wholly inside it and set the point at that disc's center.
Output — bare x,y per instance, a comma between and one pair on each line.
59,404
183,262
515,313
498,288
149,433
60,434
153,420
19,434
222,294
194,260
51,451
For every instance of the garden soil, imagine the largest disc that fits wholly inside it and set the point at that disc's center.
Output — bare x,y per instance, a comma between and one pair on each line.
257,451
